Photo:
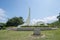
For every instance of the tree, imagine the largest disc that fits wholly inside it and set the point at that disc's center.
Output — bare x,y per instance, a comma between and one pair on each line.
2,25
58,17
15,21
55,24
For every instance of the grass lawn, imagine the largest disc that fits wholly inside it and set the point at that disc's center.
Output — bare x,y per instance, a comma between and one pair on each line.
27,35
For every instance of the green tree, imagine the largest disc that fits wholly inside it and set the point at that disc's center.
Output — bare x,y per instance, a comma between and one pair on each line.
54,24
58,18
2,25
15,21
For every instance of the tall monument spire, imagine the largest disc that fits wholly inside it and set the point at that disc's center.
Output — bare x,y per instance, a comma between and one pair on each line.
29,15
28,18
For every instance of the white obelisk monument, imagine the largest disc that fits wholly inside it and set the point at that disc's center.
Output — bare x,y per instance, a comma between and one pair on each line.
28,18
27,22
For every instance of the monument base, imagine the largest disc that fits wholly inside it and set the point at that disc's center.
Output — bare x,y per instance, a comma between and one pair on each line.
37,32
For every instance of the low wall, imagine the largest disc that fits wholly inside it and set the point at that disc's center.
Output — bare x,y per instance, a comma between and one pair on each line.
31,29
25,29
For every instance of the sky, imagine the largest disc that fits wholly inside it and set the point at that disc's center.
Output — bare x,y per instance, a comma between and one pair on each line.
41,10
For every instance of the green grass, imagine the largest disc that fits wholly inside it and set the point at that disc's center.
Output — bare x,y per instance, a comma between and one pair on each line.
27,35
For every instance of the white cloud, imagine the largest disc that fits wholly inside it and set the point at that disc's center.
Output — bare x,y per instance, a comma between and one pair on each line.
2,15
46,19
50,18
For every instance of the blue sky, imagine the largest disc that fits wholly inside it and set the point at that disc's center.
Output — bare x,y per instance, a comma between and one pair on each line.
41,10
